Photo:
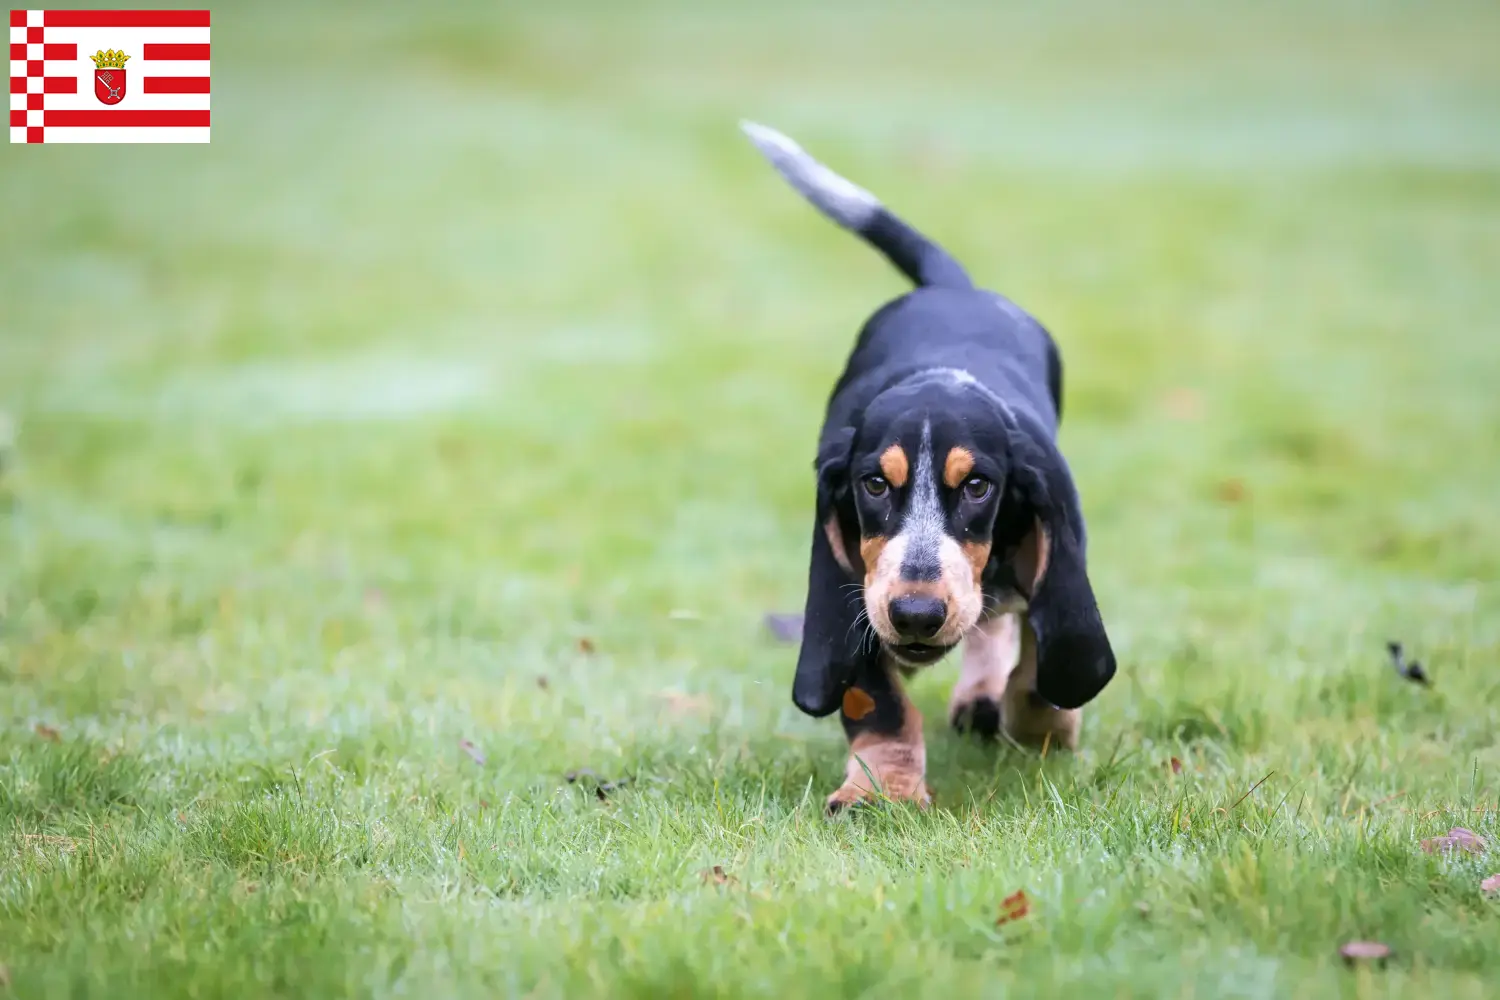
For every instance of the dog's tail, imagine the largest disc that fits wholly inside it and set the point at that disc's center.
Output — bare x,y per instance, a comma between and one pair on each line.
857,210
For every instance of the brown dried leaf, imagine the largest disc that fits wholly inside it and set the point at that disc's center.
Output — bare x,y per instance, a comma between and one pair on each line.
1231,491
716,875
1491,884
682,703
858,703
475,754
1468,839
1175,765
1457,839
1183,404
1365,951
47,733
586,645
1013,907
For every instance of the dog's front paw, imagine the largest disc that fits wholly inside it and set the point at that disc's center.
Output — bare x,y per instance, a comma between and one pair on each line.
980,716
896,788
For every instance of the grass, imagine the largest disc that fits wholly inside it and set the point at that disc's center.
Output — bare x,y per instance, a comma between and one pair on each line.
478,333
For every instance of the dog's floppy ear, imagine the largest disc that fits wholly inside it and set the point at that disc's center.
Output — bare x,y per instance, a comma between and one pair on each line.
1074,658
833,641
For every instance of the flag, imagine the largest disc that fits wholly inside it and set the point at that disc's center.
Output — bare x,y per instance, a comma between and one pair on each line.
109,76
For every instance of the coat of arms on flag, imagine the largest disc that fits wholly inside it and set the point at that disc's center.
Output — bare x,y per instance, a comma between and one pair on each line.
109,76
162,96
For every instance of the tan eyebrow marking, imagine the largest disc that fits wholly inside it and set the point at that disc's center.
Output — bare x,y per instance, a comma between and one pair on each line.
958,466
893,465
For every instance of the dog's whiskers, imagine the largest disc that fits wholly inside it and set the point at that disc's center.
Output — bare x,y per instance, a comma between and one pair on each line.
862,622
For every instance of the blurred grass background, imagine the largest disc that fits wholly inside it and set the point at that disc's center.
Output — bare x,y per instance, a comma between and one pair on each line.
478,332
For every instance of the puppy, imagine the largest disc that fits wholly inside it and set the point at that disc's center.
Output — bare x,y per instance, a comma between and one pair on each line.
944,512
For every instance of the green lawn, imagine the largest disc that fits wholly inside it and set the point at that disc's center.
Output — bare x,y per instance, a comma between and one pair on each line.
465,388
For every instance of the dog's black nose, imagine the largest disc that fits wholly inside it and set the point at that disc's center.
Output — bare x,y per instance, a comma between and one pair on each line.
918,617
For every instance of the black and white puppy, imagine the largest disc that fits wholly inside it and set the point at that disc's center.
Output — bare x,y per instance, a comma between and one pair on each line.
945,512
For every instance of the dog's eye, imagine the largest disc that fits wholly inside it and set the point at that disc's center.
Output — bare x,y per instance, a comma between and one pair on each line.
876,486
978,489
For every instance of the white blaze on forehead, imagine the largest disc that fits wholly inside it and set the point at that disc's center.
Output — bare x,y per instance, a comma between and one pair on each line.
923,525
958,376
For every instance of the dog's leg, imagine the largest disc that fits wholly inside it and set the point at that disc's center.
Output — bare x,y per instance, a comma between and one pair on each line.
1026,717
885,741
991,650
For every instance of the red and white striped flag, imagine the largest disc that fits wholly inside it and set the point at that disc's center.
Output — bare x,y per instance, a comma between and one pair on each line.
109,76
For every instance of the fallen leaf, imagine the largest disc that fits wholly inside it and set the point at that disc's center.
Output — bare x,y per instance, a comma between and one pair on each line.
716,875
1456,839
1412,670
785,627
1491,884
1231,491
47,733
1175,765
607,787
858,703
1471,841
586,645
1365,951
1184,404
602,787
1013,907
475,754
682,703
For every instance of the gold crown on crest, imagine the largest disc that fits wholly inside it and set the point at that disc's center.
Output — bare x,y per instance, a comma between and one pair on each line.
109,59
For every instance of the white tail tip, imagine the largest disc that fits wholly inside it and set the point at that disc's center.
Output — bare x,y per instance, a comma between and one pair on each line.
843,201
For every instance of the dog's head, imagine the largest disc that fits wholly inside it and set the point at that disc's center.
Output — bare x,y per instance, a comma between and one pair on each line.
939,505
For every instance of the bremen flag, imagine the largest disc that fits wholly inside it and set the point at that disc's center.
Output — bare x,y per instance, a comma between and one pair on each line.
109,76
